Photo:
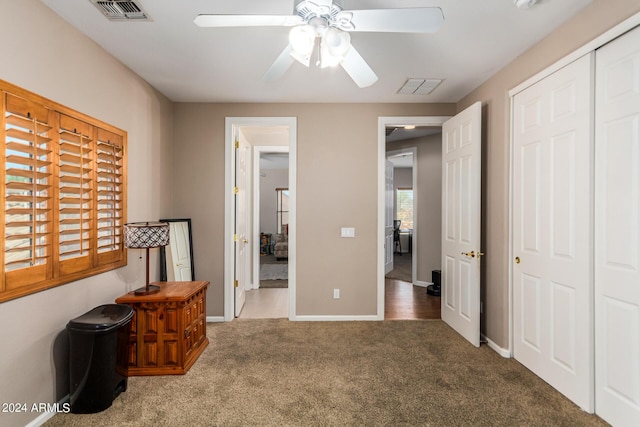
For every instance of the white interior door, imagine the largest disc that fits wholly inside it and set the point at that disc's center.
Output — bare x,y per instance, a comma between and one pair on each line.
180,251
552,304
617,239
388,218
242,222
461,167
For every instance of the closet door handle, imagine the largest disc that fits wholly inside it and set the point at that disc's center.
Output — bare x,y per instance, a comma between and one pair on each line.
517,260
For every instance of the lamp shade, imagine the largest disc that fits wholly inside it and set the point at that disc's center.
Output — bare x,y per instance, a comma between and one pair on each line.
142,235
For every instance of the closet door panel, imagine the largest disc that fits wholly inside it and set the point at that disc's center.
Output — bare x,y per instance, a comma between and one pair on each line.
617,230
552,220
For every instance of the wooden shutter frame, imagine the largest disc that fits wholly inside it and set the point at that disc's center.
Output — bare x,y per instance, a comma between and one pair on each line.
55,277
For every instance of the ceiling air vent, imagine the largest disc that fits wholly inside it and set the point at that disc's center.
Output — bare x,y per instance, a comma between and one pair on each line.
121,10
419,86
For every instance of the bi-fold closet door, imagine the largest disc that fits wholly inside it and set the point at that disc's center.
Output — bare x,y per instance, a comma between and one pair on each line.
576,230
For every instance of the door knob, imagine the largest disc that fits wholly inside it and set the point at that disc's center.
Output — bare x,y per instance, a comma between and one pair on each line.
471,254
517,260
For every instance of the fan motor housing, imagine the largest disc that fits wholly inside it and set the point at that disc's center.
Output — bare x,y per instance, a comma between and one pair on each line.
327,9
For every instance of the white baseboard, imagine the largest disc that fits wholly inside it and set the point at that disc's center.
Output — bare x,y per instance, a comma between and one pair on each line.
422,284
335,318
215,319
495,347
46,416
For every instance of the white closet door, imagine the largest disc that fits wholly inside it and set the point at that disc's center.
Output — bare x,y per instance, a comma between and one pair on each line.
617,244
552,221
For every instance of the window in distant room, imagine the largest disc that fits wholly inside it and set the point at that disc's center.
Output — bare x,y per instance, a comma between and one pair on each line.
404,207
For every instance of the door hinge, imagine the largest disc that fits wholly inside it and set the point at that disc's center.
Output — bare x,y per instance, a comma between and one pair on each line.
235,283
237,144
235,190
235,237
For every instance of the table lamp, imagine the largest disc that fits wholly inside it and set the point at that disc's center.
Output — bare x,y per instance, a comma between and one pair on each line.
146,235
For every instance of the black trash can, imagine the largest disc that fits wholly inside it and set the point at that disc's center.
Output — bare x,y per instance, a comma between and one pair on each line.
98,356
435,288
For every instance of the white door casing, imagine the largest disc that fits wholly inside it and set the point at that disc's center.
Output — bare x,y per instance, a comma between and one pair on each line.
180,252
388,225
242,223
461,215
617,231
258,150
383,122
552,238
231,126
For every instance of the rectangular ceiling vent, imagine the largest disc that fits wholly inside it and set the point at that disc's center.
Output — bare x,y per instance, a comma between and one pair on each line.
121,10
419,86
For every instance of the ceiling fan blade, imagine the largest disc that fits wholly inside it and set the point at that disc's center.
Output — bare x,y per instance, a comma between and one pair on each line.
358,69
247,20
407,20
280,65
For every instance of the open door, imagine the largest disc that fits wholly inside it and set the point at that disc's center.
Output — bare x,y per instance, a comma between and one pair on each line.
461,252
388,218
240,237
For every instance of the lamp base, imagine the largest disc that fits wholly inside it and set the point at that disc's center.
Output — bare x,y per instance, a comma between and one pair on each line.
151,289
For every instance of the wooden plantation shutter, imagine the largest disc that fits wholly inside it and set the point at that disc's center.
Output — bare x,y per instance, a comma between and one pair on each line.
110,167
76,194
63,193
28,194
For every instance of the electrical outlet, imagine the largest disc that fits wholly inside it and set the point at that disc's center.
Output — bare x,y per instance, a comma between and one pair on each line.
336,294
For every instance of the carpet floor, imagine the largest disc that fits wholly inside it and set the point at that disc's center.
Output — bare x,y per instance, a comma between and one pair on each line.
280,373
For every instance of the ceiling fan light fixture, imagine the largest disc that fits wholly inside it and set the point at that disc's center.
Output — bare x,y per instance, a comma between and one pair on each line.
524,4
334,46
302,39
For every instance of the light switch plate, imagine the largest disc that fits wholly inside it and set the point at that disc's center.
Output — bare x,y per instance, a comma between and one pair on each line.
347,232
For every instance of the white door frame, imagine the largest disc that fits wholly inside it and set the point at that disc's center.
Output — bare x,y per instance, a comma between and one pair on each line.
382,157
257,151
231,124
414,185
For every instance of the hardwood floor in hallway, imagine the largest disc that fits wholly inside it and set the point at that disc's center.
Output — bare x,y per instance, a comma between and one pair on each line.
403,301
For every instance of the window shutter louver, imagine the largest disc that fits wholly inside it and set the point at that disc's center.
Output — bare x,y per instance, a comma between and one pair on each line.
110,165
28,193
76,189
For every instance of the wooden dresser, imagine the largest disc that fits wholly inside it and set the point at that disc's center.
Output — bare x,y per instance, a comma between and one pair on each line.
169,328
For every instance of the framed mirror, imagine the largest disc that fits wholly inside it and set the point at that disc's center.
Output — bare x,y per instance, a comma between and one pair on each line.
176,259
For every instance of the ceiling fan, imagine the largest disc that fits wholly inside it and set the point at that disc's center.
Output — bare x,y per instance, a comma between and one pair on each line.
327,24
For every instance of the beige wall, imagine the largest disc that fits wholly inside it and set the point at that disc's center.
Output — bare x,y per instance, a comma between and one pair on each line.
337,187
43,54
429,177
588,24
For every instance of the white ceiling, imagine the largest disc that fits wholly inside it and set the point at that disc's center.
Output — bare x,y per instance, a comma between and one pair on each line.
189,63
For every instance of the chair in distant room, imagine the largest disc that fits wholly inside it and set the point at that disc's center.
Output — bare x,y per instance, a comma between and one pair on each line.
397,246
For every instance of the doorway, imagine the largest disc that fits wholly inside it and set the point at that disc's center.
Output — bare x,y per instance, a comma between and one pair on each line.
384,124
235,292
